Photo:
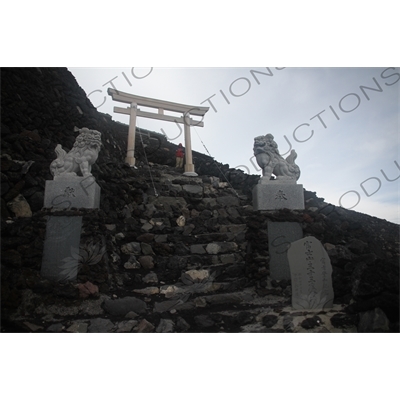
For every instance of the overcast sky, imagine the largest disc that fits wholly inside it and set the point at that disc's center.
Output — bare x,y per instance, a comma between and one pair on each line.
351,137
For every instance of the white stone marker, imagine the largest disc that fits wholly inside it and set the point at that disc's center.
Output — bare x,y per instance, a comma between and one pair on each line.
311,272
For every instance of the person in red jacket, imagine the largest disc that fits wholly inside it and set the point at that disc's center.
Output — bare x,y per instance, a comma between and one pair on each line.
179,154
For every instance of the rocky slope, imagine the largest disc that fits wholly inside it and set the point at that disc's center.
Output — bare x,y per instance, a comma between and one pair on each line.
166,253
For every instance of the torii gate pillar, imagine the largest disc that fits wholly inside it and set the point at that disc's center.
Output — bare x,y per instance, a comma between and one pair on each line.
130,154
189,166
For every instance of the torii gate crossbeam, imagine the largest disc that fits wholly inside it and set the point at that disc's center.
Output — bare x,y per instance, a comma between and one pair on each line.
161,106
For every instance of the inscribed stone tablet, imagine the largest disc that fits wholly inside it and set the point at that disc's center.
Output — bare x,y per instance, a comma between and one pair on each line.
67,192
280,236
61,248
311,273
276,195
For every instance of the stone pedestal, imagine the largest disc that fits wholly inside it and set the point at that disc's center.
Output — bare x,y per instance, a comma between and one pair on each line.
72,191
61,248
189,169
63,233
274,195
280,237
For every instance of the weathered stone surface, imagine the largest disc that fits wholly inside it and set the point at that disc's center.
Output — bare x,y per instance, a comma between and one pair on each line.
389,303
222,247
209,202
147,226
124,305
228,201
67,192
277,196
147,250
374,321
226,298
100,325
132,263
195,190
131,315
371,280
126,326
310,323
177,262
147,262
150,278
280,237
161,238
197,249
146,237
131,248
254,328
168,203
189,229
270,320
338,254
227,258
197,275
147,291
61,248
311,273
87,289
20,207
182,325
341,320
233,228
11,258
200,302
181,221
204,321
78,327
213,248
288,323
165,326
171,304
90,307
55,328
357,246
170,291
33,327
145,327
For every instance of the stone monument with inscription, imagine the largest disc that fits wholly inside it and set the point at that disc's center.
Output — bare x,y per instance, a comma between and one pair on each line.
282,192
311,273
73,186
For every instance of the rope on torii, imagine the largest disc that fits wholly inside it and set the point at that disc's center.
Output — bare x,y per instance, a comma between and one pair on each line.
133,111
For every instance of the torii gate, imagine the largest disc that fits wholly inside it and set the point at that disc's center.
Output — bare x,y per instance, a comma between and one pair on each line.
161,105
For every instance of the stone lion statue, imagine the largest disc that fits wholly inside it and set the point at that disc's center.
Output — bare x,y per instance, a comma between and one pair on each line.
271,162
80,159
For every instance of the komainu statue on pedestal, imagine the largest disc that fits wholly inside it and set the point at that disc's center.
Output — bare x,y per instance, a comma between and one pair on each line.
271,162
82,156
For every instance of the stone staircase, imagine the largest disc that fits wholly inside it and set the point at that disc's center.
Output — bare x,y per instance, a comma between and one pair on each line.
195,231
